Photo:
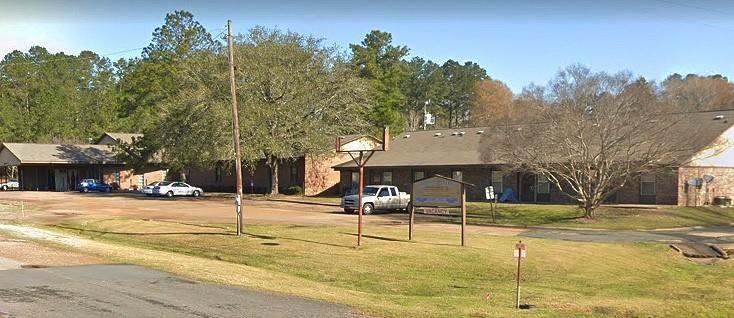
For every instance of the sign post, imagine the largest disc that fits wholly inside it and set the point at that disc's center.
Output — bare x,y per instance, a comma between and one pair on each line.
361,149
520,253
439,192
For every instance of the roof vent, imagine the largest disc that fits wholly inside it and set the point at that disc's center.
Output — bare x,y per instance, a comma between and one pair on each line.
438,134
406,136
718,117
461,133
454,133
518,129
480,132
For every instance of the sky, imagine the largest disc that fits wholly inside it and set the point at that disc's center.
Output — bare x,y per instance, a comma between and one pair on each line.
518,42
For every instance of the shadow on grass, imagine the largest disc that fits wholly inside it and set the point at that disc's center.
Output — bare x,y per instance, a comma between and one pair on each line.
65,227
390,239
267,237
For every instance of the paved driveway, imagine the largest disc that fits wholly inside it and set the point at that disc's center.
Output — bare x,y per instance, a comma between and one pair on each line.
719,234
134,291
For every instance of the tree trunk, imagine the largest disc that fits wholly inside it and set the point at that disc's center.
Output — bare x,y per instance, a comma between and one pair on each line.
589,208
274,184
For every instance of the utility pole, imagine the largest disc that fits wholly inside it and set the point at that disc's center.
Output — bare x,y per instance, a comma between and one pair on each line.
235,131
425,113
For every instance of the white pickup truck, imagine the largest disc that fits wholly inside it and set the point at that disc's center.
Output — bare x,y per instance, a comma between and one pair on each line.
11,184
377,197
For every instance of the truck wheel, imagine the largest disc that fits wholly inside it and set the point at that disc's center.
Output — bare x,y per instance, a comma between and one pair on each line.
85,189
196,194
169,194
348,211
367,208
5,188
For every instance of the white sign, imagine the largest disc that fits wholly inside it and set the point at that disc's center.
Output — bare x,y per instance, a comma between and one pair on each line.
520,250
437,192
489,192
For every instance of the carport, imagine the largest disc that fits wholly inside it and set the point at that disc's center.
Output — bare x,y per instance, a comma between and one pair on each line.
56,167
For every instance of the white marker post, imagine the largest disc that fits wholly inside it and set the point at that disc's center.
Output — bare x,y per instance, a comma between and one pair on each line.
520,253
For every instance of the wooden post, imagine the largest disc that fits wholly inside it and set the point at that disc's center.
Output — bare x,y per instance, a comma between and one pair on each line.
463,214
517,295
359,201
235,131
411,220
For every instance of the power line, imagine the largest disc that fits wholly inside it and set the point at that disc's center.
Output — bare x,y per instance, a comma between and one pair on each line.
76,57
105,54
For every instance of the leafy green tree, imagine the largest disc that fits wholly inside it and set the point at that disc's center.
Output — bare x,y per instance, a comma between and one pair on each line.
56,97
423,87
380,62
146,82
460,79
193,128
296,96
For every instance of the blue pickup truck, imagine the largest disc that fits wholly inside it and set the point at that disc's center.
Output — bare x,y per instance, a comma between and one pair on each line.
94,185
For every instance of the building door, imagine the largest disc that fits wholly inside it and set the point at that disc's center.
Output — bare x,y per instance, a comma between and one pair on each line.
60,178
527,187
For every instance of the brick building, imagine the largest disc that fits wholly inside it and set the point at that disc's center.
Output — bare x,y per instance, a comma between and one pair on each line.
60,167
457,153
312,173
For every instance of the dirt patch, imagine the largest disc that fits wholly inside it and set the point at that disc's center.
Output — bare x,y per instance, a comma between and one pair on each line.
32,255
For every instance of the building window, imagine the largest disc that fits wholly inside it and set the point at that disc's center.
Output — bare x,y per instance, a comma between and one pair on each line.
387,177
543,185
457,175
218,173
375,177
294,173
647,184
417,175
497,181
355,179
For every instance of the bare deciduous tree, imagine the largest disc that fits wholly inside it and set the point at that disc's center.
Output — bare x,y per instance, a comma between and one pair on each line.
598,131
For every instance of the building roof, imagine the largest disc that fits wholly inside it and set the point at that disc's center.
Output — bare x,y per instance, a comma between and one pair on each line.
118,137
26,153
464,146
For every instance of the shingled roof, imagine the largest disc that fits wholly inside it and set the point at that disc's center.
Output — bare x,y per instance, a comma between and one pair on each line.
24,153
463,146
117,137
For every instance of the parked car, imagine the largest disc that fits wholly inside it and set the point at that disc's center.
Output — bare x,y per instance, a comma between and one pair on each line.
10,185
171,189
94,185
148,190
377,197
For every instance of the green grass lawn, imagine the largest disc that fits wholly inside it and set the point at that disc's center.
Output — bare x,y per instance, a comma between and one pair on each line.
566,215
609,217
433,277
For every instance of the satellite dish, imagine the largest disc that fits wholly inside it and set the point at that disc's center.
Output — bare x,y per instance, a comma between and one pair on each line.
696,182
708,178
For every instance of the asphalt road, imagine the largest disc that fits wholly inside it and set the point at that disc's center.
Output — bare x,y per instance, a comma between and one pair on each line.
134,291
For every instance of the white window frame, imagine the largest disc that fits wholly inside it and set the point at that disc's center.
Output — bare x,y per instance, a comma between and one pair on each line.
355,181
545,182
423,175
460,174
497,179
648,178
385,176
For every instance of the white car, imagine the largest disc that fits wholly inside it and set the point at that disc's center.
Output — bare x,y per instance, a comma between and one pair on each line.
148,190
175,188
11,184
